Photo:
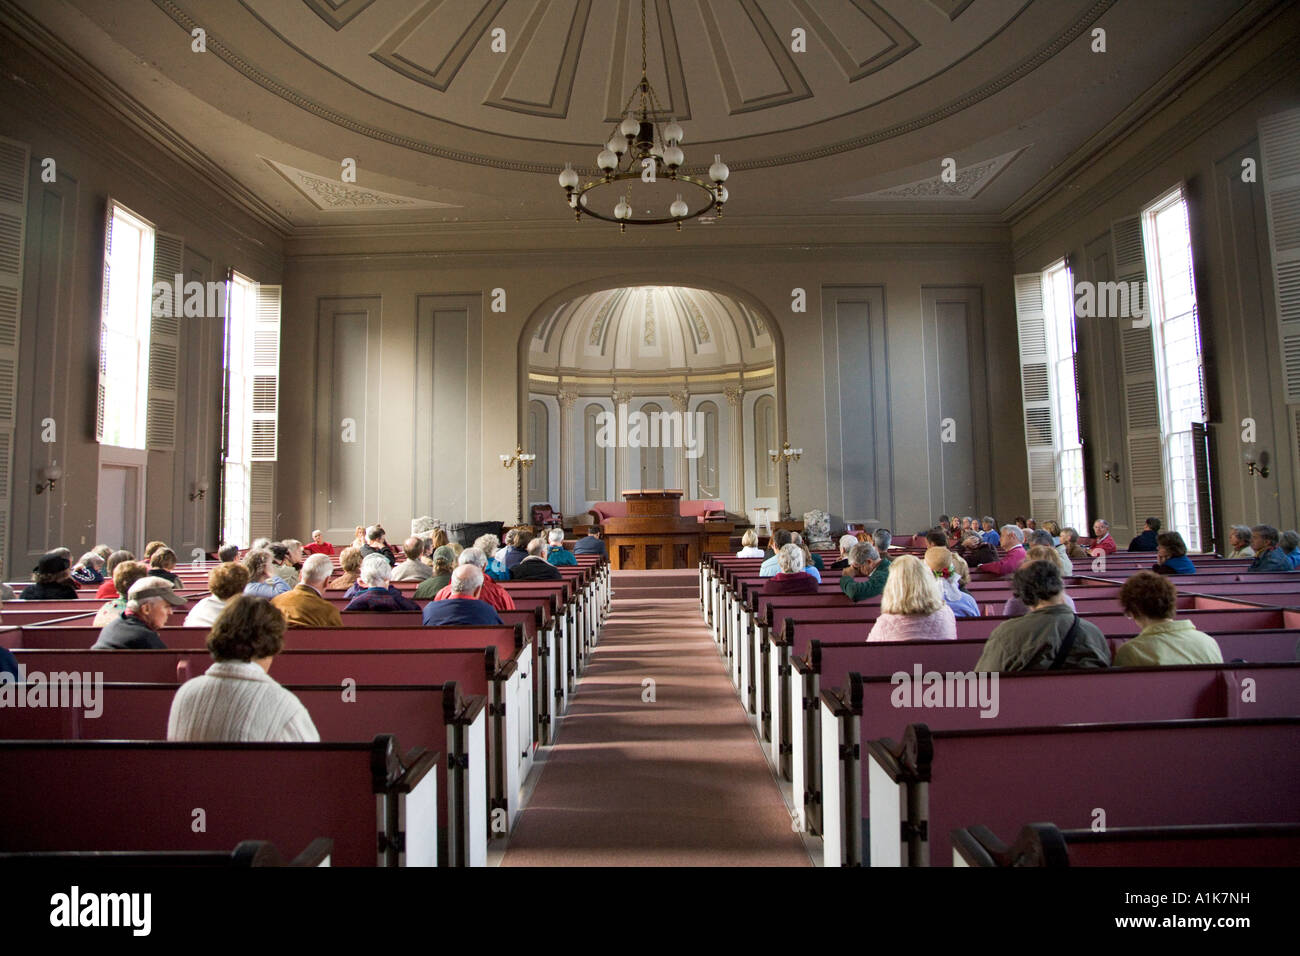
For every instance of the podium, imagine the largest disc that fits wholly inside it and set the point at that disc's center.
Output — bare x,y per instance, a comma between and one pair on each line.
655,536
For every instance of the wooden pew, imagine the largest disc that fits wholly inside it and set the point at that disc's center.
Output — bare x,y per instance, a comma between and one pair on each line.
930,782
193,797
249,853
1221,845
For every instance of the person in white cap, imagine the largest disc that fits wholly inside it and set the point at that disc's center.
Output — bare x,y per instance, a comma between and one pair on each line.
149,604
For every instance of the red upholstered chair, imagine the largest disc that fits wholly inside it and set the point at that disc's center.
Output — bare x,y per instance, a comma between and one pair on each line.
546,517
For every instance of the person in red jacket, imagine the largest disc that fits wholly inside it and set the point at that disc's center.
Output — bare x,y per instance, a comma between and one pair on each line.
319,545
1013,552
492,592
1103,543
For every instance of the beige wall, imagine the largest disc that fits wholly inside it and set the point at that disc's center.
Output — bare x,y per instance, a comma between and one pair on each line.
99,154
761,266
1199,140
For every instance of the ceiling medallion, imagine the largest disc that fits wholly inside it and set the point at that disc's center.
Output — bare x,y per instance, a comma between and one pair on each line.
641,164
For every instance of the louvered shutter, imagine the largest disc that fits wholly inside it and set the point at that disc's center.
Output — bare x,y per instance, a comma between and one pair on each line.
164,347
13,218
264,418
1279,141
1145,475
1035,390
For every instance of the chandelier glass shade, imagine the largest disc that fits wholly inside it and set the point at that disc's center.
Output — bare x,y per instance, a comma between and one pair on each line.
641,180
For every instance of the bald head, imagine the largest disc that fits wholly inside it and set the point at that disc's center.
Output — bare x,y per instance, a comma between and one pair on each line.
467,579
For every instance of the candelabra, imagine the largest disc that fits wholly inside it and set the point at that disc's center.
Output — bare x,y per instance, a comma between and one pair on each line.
783,458
519,461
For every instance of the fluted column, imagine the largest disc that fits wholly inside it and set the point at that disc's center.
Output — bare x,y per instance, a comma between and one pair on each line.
567,398
681,402
621,398
736,404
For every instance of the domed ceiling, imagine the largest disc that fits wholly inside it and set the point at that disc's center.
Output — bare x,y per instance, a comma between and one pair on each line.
467,109
668,330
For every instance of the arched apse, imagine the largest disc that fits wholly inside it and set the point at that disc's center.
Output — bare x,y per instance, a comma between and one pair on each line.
692,357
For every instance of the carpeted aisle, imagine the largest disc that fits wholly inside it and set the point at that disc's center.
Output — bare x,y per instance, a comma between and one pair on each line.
677,781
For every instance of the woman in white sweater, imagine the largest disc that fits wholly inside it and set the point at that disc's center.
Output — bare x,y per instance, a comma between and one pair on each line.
237,699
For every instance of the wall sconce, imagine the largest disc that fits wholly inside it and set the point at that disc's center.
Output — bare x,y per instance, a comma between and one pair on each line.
49,475
1111,473
1256,465
199,490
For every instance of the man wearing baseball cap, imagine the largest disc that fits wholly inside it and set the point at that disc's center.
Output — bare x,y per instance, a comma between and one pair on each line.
53,581
149,604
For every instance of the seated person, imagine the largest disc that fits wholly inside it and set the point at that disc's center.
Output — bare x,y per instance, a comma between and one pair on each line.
1290,545
305,606
1043,539
376,544
935,538
516,540
493,593
1012,542
1070,546
940,562
1102,542
534,566
124,575
912,606
149,606
1054,529
974,550
1014,607
1050,636
162,564
769,567
1171,551
592,543
236,700
465,604
282,563
107,591
810,559
1148,539
227,553
1152,601
53,582
749,545
226,581
557,554
350,562
87,573
1239,537
1268,556
490,545
412,569
847,541
444,562
376,593
990,535
261,582
791,578
319,545
865,561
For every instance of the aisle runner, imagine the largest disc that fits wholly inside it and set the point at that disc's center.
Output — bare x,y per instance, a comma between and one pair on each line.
655,764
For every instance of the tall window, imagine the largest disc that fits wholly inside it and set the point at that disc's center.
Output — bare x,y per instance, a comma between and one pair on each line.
239,406
124,329
1175,326
1059,298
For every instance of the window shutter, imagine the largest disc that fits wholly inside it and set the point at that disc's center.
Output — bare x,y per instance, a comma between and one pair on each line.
164,348
261,496
1204,454
13,220
101,389
1141,398
266,374
1035,390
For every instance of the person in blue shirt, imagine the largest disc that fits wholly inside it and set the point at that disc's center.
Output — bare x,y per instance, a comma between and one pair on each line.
556,554
261,582
490,545
1268,556
770,568
990,534
1172,552
592,543
1289,544
463,605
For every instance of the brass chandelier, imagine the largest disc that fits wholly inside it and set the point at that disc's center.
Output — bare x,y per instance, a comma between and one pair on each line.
641,165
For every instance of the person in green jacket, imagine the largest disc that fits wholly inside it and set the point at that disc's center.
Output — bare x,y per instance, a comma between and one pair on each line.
865,561
1151,600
